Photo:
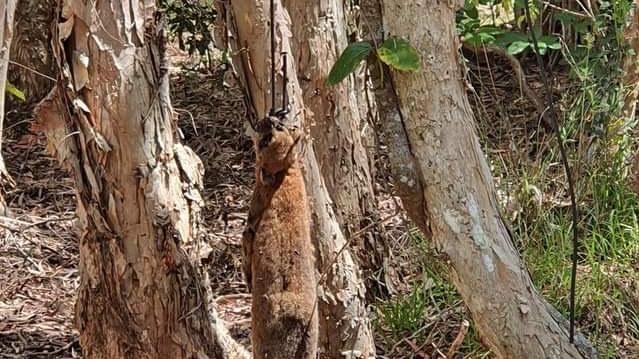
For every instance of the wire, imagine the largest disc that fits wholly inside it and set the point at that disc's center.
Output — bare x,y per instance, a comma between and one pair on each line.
564,159
272,25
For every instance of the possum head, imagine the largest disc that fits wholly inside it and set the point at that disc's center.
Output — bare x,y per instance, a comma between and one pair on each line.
275,145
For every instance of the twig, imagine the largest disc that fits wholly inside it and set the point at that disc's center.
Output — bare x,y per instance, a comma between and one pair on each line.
348,242
459,339
30,69
516,67
567,11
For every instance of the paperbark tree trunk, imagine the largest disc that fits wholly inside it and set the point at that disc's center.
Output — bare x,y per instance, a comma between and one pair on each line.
344,326
7,11
142,294
319,36
448,190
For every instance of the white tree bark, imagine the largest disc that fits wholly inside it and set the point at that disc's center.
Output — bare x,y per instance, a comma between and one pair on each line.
142,294
7,11
450,191
344,326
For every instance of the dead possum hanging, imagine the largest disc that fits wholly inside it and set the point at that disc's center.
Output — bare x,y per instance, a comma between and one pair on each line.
278,255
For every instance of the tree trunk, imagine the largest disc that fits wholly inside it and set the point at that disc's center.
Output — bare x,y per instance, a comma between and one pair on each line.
344,326
110,122
319,37
7,10
452,191
33,23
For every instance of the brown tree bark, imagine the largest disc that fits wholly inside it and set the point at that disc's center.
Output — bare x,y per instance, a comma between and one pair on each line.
344,326
319,36
448,190
7,11
33,27
142,294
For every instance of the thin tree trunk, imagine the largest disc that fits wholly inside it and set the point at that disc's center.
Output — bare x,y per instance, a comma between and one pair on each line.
32,27
319,36
7,10
344,326
452,191
110,122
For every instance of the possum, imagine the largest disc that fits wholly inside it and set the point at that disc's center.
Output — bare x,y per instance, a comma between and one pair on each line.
278,255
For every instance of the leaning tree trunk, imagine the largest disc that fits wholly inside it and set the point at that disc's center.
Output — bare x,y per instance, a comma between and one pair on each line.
110,122
450,194
319,36
344,326
7,10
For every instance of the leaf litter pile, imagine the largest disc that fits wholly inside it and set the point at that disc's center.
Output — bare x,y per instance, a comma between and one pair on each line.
38,252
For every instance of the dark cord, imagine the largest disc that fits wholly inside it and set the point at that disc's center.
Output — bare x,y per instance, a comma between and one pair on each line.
284,110
272,25
564,159
284,83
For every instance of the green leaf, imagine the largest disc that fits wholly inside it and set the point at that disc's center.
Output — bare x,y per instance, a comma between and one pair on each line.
348,62
517,47
507,38
14,91
399,54
552,42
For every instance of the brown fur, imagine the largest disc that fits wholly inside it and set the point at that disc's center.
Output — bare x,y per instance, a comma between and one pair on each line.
278,253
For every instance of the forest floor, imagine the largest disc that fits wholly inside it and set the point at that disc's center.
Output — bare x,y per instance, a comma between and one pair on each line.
39,252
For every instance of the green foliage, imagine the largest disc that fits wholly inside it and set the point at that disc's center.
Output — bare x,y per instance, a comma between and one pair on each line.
399,54
349,60
191,23
395,52
404,314
474,30
14,91
600,142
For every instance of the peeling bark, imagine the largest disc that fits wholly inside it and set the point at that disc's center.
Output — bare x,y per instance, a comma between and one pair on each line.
142,293
344,326
456,200
7,11
319,37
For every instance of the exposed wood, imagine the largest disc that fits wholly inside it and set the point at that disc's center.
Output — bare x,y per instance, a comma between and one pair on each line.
142,292
344,326
458,208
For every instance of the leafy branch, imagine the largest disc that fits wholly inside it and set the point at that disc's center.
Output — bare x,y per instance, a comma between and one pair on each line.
395,52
